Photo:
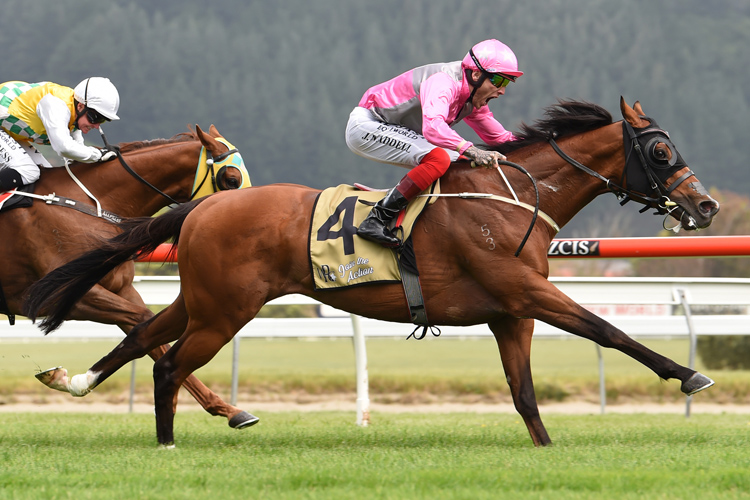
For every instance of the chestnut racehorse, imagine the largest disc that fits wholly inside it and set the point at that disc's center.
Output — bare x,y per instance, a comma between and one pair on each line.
239,250
42,237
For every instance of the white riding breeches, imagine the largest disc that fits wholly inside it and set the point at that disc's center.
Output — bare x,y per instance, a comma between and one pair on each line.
371,138
21,157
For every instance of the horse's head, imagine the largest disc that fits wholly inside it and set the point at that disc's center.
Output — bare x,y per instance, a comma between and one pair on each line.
222,162
656,175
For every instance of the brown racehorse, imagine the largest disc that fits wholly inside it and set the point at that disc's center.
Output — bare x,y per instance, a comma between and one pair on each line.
42,237
239,250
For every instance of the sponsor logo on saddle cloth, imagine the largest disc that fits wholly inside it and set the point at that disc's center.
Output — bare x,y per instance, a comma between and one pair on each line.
340,258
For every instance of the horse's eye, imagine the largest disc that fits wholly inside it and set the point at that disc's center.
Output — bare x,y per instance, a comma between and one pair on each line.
660,153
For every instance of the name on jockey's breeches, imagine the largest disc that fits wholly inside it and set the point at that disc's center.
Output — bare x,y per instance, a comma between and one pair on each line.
388,141
9,142
400,130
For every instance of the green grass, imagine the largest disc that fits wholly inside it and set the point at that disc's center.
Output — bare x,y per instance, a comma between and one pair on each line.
323,455
399,370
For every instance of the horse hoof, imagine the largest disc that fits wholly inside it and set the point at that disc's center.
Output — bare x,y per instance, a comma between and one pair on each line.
696,383
243,419
54,378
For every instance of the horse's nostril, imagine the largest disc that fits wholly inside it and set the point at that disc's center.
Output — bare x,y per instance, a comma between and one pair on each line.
709,207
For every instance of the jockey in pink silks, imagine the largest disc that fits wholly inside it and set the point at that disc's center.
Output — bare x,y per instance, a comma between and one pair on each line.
407,121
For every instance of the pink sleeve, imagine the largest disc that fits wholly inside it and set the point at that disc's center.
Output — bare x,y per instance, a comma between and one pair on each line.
437,93
483,122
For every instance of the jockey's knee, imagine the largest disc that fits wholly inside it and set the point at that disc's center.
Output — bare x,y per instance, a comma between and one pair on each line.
10,179
438,160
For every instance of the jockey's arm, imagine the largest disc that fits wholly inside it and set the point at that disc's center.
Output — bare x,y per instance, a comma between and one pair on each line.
55,116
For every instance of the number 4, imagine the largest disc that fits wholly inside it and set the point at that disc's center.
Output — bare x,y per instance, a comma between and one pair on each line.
348,229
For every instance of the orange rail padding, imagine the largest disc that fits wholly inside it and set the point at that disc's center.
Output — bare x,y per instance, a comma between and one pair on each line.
608,248
622,248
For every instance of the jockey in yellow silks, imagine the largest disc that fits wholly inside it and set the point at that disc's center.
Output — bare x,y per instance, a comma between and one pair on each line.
54,115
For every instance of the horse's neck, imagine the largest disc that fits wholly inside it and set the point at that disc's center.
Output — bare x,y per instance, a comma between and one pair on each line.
169,169
563,189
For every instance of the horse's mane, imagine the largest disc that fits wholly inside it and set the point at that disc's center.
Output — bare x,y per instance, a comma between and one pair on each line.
127,147
567,117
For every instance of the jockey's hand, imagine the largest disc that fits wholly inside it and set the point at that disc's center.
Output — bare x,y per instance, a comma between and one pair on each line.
483,158
107,154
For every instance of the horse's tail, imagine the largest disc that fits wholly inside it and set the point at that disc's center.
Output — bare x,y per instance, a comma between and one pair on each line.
55,294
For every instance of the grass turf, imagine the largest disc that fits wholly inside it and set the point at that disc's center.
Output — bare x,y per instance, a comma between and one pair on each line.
323,455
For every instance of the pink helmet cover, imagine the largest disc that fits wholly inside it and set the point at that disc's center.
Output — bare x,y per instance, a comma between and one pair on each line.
495,57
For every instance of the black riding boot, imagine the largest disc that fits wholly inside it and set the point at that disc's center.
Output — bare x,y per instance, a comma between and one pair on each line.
375,225
9,179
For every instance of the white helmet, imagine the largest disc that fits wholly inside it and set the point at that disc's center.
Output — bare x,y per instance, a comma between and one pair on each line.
100,95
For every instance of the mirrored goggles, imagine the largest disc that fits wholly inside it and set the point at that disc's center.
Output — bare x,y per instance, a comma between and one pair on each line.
500,80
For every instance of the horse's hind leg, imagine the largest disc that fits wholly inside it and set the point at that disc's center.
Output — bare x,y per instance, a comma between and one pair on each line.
150,336
197,346
163,328
209,400
513,336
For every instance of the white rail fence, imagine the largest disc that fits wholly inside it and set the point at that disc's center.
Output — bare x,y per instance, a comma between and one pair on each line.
641,307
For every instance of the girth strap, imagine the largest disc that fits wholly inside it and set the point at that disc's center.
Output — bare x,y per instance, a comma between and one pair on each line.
413,291
62,201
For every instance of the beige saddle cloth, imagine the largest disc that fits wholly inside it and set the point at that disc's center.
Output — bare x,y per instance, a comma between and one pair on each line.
338,257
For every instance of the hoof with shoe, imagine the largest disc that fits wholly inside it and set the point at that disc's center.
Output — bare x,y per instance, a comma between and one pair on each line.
696,383
55,378
243,419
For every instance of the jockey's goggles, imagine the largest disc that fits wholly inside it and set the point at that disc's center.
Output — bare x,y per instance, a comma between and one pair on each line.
500,80
95,117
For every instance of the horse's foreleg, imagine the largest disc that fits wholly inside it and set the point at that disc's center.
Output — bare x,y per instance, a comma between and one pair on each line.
543,301
513,338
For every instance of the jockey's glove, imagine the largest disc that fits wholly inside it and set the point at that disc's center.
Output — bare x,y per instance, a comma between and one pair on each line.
483,158
107,154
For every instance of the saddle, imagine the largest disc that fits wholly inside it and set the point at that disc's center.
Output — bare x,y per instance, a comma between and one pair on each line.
8,201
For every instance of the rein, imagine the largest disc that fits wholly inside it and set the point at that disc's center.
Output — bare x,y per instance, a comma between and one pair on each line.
534,209
210,161
132,172
625,193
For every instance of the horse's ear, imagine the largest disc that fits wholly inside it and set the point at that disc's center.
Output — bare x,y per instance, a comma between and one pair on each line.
631,115
214,131
638,109
208,141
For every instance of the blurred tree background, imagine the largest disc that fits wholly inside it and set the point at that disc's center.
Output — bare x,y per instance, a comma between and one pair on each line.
280,78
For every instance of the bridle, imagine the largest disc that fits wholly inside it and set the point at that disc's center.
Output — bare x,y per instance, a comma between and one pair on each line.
210,160
645,174
223,161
